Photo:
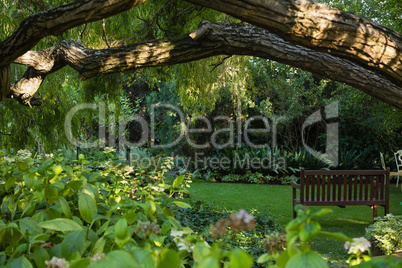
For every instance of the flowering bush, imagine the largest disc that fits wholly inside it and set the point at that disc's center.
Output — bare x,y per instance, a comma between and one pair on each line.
97,212
356,248
386,233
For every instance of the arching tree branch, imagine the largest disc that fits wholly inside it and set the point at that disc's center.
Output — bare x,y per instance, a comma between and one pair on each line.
319,27
56,21
210,39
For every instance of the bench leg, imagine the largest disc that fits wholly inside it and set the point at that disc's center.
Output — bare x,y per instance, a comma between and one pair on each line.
374,211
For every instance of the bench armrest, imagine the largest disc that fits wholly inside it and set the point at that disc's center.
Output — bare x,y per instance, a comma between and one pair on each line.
295,185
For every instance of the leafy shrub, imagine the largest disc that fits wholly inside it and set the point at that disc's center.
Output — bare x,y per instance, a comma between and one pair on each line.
202,216
386,233
83,211
286,180
232,178
248,177
255,177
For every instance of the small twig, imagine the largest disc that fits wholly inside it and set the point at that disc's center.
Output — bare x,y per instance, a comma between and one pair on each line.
155,18
160,27
5,134
186,11
219,63
83,31
104,33
25,6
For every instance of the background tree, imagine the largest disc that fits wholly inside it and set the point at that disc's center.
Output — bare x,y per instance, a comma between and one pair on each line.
156,33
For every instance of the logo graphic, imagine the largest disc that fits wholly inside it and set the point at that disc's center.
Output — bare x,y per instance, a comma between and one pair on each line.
330,156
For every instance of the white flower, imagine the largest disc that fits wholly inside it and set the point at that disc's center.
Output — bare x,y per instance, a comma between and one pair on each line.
128,169
98,257
8,159
109,150
184,245
177,233
57,262
244,216
360,244
23,155
158,189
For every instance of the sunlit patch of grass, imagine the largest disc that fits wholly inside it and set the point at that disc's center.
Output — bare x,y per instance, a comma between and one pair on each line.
277,200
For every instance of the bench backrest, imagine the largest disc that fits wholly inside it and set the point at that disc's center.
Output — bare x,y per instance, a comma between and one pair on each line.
344,186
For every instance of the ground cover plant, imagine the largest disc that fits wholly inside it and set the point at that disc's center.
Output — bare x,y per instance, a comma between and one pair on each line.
202,216
98,212
276,200
386,233
89,212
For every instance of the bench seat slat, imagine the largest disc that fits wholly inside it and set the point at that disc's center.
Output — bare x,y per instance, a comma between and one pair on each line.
342,202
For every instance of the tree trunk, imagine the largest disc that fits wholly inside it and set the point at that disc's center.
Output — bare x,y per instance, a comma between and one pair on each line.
4,82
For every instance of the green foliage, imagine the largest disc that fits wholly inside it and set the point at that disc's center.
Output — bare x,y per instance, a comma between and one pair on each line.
386,12
202,217
97,212
94,211
299,232
386,233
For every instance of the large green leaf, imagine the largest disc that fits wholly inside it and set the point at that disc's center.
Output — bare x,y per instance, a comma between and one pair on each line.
200,252
116,258
73,245
20,262
122,233
10,182
181,204
51,195
306,260
87,207
168,258
309,230
335,236
176,224
99,246
210,262
239,259
40,256
60,224
178,181
144,257
80,263
65,207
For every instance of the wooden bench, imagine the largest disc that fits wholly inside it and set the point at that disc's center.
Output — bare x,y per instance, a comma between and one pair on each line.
343,188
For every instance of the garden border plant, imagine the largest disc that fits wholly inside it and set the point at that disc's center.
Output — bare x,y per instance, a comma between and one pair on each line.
97,212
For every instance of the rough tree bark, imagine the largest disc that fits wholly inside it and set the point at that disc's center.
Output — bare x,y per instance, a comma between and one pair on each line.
210,39
322,28
339,45
57,20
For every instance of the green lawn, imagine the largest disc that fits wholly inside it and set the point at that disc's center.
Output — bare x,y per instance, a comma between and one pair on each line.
276,199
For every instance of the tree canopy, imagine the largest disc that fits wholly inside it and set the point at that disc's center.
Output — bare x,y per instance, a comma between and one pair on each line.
318,36
98,37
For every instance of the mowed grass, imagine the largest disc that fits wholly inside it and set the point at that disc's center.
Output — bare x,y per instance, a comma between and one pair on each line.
277,200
